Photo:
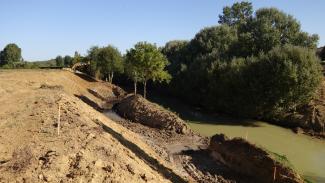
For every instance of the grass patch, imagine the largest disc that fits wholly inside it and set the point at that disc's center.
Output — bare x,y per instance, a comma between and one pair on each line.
307,181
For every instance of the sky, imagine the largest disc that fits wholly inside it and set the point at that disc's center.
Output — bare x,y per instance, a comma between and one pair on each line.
44,29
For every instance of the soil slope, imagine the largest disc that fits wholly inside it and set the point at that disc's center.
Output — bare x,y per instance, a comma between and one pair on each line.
89,148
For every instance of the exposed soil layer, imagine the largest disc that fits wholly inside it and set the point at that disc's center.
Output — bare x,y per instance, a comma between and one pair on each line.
248,159
89,147
138,109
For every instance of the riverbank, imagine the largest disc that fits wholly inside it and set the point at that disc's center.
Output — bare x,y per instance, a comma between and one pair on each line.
305,152
308,120
172,145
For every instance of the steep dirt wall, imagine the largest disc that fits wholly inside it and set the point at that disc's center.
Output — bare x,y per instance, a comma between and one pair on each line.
248,159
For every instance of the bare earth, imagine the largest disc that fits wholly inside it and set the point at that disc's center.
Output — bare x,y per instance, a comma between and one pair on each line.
89,148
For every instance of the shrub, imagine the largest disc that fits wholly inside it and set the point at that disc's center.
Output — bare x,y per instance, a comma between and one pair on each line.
268,85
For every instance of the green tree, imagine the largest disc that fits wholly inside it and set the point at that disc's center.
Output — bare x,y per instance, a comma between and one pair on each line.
266,29
272,27
59,61
210,45
284,78
174,52
77,58
257,60
93,58
11,54
67,61
145,62
215,42
268,85
109,60
238,13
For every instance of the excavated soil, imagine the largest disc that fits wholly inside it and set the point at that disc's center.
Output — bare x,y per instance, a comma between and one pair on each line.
89,147
140,110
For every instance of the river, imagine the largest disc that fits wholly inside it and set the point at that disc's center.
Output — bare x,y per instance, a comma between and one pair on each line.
305,153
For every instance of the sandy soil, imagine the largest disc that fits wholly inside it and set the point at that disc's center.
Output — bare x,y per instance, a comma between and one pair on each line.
89,148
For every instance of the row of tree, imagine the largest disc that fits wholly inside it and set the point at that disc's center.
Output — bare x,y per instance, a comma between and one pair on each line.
142,63
254,64
66,61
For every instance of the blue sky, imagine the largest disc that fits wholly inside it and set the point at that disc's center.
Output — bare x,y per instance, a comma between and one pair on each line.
47,28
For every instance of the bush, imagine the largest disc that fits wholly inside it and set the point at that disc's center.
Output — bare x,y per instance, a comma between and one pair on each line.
267,85
284,78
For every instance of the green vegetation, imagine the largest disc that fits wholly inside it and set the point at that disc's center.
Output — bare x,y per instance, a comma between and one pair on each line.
59,61
104,62
145,62
10,56
280,158
109,61
256,65
67,60
77,58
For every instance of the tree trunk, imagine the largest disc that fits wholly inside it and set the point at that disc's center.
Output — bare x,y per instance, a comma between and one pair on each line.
144,89
112,77
109,78
135,87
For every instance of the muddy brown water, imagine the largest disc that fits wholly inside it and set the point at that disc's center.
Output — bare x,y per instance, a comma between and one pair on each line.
305,153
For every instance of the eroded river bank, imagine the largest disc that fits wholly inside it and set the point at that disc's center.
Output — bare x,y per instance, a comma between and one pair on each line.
307,154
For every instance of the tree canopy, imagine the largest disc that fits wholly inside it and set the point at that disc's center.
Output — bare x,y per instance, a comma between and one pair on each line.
109,60
67,60
238,13
59,61
10,54
261,60
145,62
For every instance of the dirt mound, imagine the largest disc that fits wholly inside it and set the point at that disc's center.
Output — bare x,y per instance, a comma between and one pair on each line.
251,160
140,110
89,148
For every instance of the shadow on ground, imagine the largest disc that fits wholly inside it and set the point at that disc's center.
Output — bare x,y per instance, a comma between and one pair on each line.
202,160
90,102
166,172
85,77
